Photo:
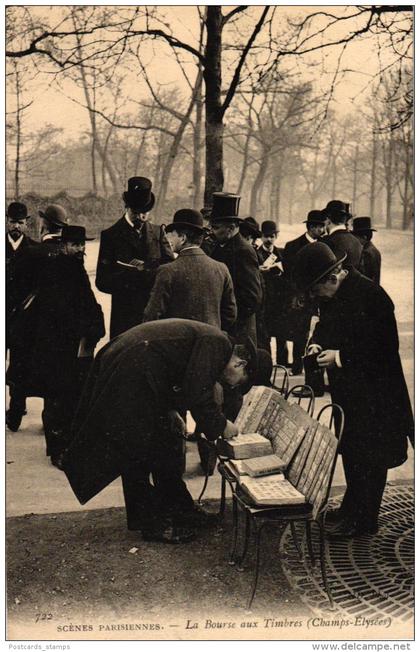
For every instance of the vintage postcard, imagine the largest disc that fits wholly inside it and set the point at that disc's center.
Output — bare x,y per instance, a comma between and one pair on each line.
202,201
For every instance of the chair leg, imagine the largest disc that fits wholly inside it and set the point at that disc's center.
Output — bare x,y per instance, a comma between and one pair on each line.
295,539
241,560
232,557
322,559
257,563
206,479
309,542
222,507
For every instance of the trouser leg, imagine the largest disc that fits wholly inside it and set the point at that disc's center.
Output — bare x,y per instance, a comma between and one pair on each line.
299,345
171,493
17,404
365,487
282,353
139,495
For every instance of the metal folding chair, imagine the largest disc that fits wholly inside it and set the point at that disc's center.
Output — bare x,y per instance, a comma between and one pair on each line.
303,393
317,488
283,385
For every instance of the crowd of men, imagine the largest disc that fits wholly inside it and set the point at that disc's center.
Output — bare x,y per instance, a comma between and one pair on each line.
194,308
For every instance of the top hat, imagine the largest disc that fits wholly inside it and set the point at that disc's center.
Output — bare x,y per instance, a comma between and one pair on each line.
316,217
187,218
312,263
139,194
269,228
225,207
73,233
17,211
55,214
335,207
362,224
250,226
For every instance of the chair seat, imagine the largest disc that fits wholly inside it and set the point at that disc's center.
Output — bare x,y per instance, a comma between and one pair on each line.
273,512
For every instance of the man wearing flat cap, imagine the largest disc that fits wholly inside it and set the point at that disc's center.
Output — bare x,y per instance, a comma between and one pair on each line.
356,341
370,264
241,260
17,245
67,326
193,286
130,252
128,420
338,237
298,309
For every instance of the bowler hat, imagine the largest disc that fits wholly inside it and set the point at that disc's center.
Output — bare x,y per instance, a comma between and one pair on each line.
71,233
55,214
250,226
336,207
316,217
187,218
139,194
259,367
312,263
17,211
225,207
269,228
362,224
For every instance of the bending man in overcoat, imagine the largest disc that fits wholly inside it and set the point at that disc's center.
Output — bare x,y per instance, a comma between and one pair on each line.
128,423
357,342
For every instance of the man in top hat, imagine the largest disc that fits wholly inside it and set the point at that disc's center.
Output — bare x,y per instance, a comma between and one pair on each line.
193,286
128,424
356,341
338,237
270,260
67,324
298,310
130,252
370,264
17,245
241,260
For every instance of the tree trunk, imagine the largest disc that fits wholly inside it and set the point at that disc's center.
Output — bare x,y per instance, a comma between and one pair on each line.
373,173
256,186
354,191
18,137
116,185
245,160
276,188
292,185
214,119
93,146
197,148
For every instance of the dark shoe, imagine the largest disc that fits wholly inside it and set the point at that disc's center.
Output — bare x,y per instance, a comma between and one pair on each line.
335,515
57,460
13,420
296,370
167,533
350,530
199,518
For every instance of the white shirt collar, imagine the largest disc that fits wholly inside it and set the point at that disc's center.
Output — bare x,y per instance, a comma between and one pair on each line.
15,243
128,219
50,236
337,227
309,238
190,247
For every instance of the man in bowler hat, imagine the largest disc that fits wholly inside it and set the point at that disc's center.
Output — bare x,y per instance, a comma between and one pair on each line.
299,310
66,326
193,286
338,237
270,260
241,260
250,230
370,264
17,288
356,341
128,420
130,252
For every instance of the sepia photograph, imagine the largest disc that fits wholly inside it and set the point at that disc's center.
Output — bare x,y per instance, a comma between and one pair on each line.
209,323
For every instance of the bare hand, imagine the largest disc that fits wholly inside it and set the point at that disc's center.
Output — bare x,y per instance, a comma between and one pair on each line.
313,348
138,264
326,359
230,431
176,423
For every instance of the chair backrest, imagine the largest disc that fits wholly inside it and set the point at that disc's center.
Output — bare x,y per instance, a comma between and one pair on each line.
303,393
280,372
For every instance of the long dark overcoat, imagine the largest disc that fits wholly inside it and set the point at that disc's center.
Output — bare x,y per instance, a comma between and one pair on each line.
370,387
193,287
63,311
241,260
344,242
129,288
370,264
135,379
17,286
